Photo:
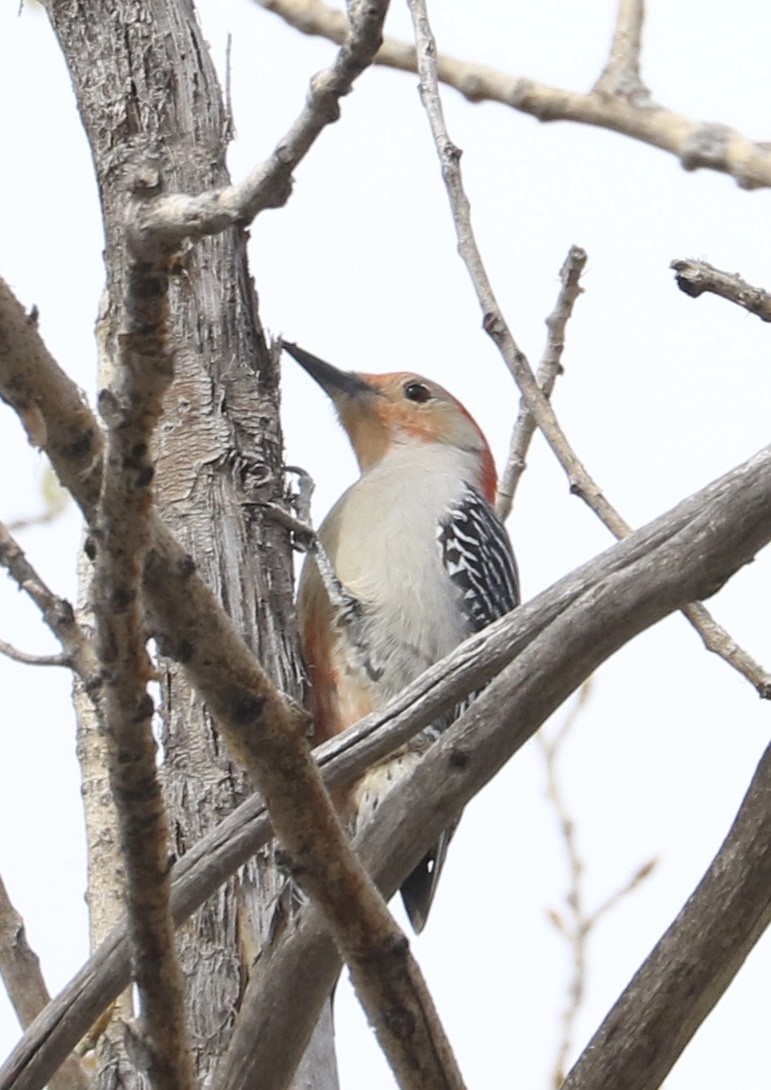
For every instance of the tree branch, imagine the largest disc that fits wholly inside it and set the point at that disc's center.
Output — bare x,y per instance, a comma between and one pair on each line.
578,922
621,76
26,659
546,376
122,533
162,223
20,970
77,650
581,483
696,277
551,645
689,969
697,144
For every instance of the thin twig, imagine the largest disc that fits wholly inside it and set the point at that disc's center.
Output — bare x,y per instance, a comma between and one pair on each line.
16,655
621,75
581,484
20,972
575,928
41,519
162,223
696,277
77,648
666,1001
546,376
697,144
579,923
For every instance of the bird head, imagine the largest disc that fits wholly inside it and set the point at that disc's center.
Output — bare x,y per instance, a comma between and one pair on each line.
381,412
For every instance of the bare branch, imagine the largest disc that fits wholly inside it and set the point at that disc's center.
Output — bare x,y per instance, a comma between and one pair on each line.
546,376
697,144
122,536
621,75
14,653
55,500
643,871
696,277
20,971
689,969
78,652
581,483
578,923
552,644
575,929
722,643
162,223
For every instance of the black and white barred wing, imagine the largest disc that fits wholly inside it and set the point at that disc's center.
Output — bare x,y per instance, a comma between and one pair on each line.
478,557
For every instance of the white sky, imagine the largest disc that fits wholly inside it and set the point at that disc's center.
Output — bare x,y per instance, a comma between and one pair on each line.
661,394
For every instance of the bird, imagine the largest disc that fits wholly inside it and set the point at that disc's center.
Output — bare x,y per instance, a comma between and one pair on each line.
416,545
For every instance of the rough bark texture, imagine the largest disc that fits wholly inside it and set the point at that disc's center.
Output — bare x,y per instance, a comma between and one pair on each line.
150,102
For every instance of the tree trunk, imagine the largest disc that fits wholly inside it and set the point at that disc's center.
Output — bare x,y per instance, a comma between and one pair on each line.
150,102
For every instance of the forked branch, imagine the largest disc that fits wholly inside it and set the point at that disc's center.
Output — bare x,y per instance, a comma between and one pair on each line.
618,102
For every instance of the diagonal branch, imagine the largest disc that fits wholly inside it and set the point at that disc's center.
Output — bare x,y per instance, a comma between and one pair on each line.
696,277
166,221
77,650
558,639
708,145
693,963
20,972
581,483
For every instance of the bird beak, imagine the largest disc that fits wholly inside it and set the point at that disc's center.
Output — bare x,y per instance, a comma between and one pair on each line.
333,382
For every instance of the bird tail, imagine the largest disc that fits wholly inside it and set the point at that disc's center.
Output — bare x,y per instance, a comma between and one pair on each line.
419,887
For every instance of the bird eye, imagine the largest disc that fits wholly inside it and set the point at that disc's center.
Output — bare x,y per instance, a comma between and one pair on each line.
416,391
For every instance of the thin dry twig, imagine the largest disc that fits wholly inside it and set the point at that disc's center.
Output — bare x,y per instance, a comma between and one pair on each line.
77,649
696,277
161,224
55,500
621,75
697,144
578,922
122,535
20,971
581,483
548,370
42,519
667,1000
27,659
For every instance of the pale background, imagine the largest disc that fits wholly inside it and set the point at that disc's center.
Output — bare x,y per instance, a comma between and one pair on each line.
661,394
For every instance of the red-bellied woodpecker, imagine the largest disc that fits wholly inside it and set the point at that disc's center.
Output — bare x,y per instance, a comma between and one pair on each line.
416,542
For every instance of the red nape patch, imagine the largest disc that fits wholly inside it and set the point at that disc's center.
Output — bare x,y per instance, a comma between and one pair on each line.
489,474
